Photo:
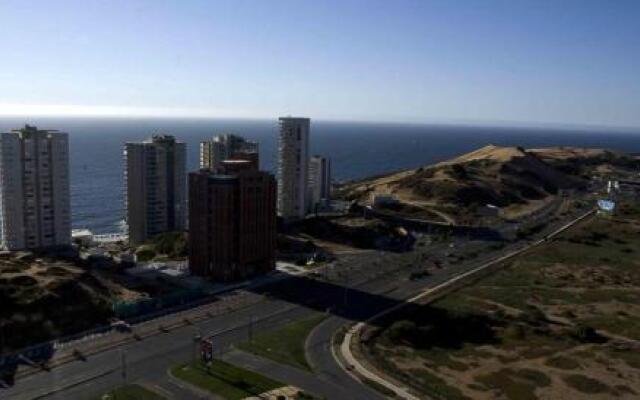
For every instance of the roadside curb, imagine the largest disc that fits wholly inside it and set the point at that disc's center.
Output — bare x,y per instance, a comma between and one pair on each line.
306,342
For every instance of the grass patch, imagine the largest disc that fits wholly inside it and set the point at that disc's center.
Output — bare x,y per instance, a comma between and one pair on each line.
585,276
438,357
285,345
130,392
585,384
630,356
379,388
624,389
224,379
561,362
616,324
585,244
515,384
541,346
436,387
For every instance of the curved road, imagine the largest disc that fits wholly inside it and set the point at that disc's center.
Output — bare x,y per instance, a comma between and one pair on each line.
325,367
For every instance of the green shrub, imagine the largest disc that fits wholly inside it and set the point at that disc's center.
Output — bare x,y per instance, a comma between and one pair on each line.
515,332
585,334
173,244
401,331
586,384
561,362
145,254
534,315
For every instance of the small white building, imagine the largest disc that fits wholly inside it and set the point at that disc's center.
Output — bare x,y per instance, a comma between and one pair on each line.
82,236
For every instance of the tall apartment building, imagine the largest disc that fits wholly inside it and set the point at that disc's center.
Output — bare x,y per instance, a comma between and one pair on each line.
232,221
293,167
34,189
227,147
155,179
319,182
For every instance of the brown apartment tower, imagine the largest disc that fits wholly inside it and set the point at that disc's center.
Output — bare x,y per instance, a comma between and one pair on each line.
232,221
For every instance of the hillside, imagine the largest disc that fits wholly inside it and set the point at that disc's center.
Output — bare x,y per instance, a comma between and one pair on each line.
515,180
43,299
588,162
560,321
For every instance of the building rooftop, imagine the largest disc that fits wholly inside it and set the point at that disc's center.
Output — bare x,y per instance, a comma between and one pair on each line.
294,118
81,232
34,129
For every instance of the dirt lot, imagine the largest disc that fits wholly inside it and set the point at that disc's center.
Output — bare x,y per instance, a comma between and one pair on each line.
559,322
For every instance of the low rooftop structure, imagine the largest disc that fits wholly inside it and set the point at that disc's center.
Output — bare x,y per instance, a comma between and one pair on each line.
84,236
380,200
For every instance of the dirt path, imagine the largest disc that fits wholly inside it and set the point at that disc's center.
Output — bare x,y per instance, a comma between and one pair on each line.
429,207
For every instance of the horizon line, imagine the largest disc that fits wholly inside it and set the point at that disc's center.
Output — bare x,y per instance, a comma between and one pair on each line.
15,111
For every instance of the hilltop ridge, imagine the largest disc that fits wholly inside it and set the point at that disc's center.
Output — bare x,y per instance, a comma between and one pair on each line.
515,180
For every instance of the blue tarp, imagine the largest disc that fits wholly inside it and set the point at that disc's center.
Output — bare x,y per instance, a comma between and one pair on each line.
606,205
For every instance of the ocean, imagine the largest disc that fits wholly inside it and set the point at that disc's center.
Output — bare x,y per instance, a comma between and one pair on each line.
357,150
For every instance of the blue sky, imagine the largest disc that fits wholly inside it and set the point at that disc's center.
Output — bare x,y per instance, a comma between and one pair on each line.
558,62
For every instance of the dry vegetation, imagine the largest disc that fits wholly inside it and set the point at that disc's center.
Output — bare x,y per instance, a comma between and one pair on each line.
43,298
46,296
587,162
561,321
516,180
336,234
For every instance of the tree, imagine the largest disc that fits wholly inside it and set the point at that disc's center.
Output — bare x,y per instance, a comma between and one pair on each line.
401,331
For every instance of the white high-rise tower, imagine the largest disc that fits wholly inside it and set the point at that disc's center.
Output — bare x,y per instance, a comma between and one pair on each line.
34,189
319,182
156,187
293,167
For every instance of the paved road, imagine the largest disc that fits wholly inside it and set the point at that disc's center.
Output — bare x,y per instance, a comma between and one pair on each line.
305,380
320,355
148,360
